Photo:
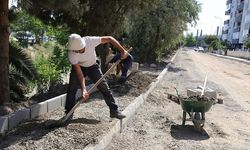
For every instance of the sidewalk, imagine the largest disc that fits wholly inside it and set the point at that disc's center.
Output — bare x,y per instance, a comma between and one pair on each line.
232,58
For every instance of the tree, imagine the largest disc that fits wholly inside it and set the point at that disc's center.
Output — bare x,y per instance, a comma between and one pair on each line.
4,52
210,38
247,43
215,45
23,23
158,28
190,40
162,20
86,17
213,42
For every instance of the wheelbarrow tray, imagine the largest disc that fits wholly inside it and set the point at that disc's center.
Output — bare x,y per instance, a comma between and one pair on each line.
195,106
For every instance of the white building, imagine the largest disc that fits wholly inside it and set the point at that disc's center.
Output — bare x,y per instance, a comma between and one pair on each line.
237,26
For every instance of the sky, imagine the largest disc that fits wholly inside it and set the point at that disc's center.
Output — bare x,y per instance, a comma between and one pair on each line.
211,16
12,2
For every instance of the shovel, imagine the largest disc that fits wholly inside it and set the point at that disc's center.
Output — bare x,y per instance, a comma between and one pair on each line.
204,86
63,120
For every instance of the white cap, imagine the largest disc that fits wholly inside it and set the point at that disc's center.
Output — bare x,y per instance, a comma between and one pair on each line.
75,42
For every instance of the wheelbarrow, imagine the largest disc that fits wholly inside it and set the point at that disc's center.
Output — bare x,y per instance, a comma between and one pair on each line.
196,107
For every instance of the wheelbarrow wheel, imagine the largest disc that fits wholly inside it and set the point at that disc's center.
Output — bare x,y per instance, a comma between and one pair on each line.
198,126
198,123
184,118
197,116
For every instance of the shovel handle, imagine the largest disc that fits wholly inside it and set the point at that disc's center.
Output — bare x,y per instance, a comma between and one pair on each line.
204,86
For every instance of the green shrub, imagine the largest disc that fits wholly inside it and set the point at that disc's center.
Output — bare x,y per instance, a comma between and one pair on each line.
60,59
48,73
215,45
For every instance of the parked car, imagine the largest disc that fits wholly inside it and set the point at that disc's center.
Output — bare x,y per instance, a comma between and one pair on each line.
25,36
199,49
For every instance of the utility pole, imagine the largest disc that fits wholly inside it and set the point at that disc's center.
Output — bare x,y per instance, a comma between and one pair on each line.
220,27
197,34
217,32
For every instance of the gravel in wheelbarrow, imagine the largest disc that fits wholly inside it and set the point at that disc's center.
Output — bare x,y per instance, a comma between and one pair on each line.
196,103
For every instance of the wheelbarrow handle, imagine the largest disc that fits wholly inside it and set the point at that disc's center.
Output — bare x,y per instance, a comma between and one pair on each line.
177,92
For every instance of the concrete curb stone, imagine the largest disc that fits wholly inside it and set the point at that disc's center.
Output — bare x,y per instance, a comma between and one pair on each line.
54,103
38,109
63,100
17,117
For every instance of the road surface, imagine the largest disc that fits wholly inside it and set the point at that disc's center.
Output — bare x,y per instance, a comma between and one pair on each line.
157,124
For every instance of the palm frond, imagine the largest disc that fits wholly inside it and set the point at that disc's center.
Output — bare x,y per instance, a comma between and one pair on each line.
16,76
21,70
26,4
17,81
21,61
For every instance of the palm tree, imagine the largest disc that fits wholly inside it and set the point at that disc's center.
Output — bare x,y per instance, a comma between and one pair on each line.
15,76
22,70
4,52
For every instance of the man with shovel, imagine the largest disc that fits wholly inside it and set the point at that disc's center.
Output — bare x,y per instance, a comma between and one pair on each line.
82,57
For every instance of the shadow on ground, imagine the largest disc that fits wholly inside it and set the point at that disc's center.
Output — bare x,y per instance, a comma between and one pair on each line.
36,130
175,69
187,132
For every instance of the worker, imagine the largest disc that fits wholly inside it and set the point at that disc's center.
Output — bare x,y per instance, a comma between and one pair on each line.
82,56
123,66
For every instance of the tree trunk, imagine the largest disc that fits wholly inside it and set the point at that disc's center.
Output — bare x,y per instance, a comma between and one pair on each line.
4,52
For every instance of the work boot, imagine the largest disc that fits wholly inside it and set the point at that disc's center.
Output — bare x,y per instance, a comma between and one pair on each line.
117,114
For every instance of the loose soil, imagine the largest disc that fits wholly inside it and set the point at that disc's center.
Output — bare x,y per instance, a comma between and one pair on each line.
91,120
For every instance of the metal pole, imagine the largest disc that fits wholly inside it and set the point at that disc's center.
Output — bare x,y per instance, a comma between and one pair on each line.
220,28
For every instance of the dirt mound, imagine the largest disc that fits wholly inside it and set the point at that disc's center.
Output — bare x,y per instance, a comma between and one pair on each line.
137,83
